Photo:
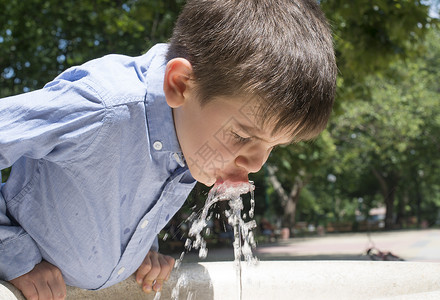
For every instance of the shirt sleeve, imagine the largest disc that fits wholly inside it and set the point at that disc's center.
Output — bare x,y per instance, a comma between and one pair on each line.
18,252
155,245
56,123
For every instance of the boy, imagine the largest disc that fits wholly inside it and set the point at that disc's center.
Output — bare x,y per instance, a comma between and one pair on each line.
103,156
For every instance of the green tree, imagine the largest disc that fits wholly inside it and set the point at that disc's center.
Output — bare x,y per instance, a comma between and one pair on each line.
370,34
41,38
394,135
289,169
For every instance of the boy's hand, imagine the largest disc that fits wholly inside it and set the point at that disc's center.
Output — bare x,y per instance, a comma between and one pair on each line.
156,268
44,282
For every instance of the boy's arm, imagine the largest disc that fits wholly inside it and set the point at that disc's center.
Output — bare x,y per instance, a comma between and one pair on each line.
18,251
18,255
55,123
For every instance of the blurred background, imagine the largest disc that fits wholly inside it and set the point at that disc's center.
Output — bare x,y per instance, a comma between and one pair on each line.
375,168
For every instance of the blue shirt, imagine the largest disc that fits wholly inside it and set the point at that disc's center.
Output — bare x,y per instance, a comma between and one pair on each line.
97,171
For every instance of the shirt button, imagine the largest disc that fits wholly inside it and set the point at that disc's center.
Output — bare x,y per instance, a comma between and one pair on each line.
144,224
157,145
121,270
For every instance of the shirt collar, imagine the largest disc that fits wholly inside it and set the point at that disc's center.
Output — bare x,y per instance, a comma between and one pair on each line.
162,133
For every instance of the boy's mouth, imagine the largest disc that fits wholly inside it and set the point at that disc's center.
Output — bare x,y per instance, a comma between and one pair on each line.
228,190
233,179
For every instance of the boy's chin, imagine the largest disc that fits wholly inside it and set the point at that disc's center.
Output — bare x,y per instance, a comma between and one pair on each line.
217,180
209,182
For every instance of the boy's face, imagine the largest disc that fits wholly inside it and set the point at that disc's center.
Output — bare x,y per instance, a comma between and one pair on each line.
222,140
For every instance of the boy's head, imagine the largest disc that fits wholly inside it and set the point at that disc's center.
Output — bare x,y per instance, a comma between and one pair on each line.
275,57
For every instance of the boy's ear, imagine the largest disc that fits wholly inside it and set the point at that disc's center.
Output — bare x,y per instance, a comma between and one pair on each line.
177,81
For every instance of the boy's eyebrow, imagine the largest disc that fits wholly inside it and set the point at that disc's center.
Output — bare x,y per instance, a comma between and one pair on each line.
250,130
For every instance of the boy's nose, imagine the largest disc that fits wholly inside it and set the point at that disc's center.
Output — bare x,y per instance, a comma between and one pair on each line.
251,163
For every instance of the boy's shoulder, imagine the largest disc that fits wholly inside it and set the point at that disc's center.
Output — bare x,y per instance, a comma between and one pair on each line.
117,78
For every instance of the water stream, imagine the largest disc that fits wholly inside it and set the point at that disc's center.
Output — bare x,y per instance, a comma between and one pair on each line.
243,236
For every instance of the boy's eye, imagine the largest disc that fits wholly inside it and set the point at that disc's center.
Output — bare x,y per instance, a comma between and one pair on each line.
239,139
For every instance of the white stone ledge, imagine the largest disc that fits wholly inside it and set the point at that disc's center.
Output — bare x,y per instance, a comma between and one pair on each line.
281,280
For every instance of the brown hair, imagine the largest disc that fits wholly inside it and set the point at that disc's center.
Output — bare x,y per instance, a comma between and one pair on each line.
278,51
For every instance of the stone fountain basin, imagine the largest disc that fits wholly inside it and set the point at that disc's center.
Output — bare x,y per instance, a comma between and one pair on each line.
280,280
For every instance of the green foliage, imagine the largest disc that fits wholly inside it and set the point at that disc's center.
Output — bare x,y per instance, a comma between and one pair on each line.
41,38
369,34
303,158
396,131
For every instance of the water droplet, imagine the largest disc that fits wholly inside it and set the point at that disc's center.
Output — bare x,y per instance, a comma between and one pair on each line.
157,296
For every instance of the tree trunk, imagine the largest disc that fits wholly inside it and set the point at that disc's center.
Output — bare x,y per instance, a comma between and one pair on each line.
388,189
401,215
288,202
290,212
389,203
419,202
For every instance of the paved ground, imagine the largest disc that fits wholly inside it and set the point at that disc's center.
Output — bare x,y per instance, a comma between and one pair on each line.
410,245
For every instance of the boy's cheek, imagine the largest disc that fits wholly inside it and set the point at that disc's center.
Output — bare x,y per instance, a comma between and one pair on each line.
209,156
205,172
210,165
